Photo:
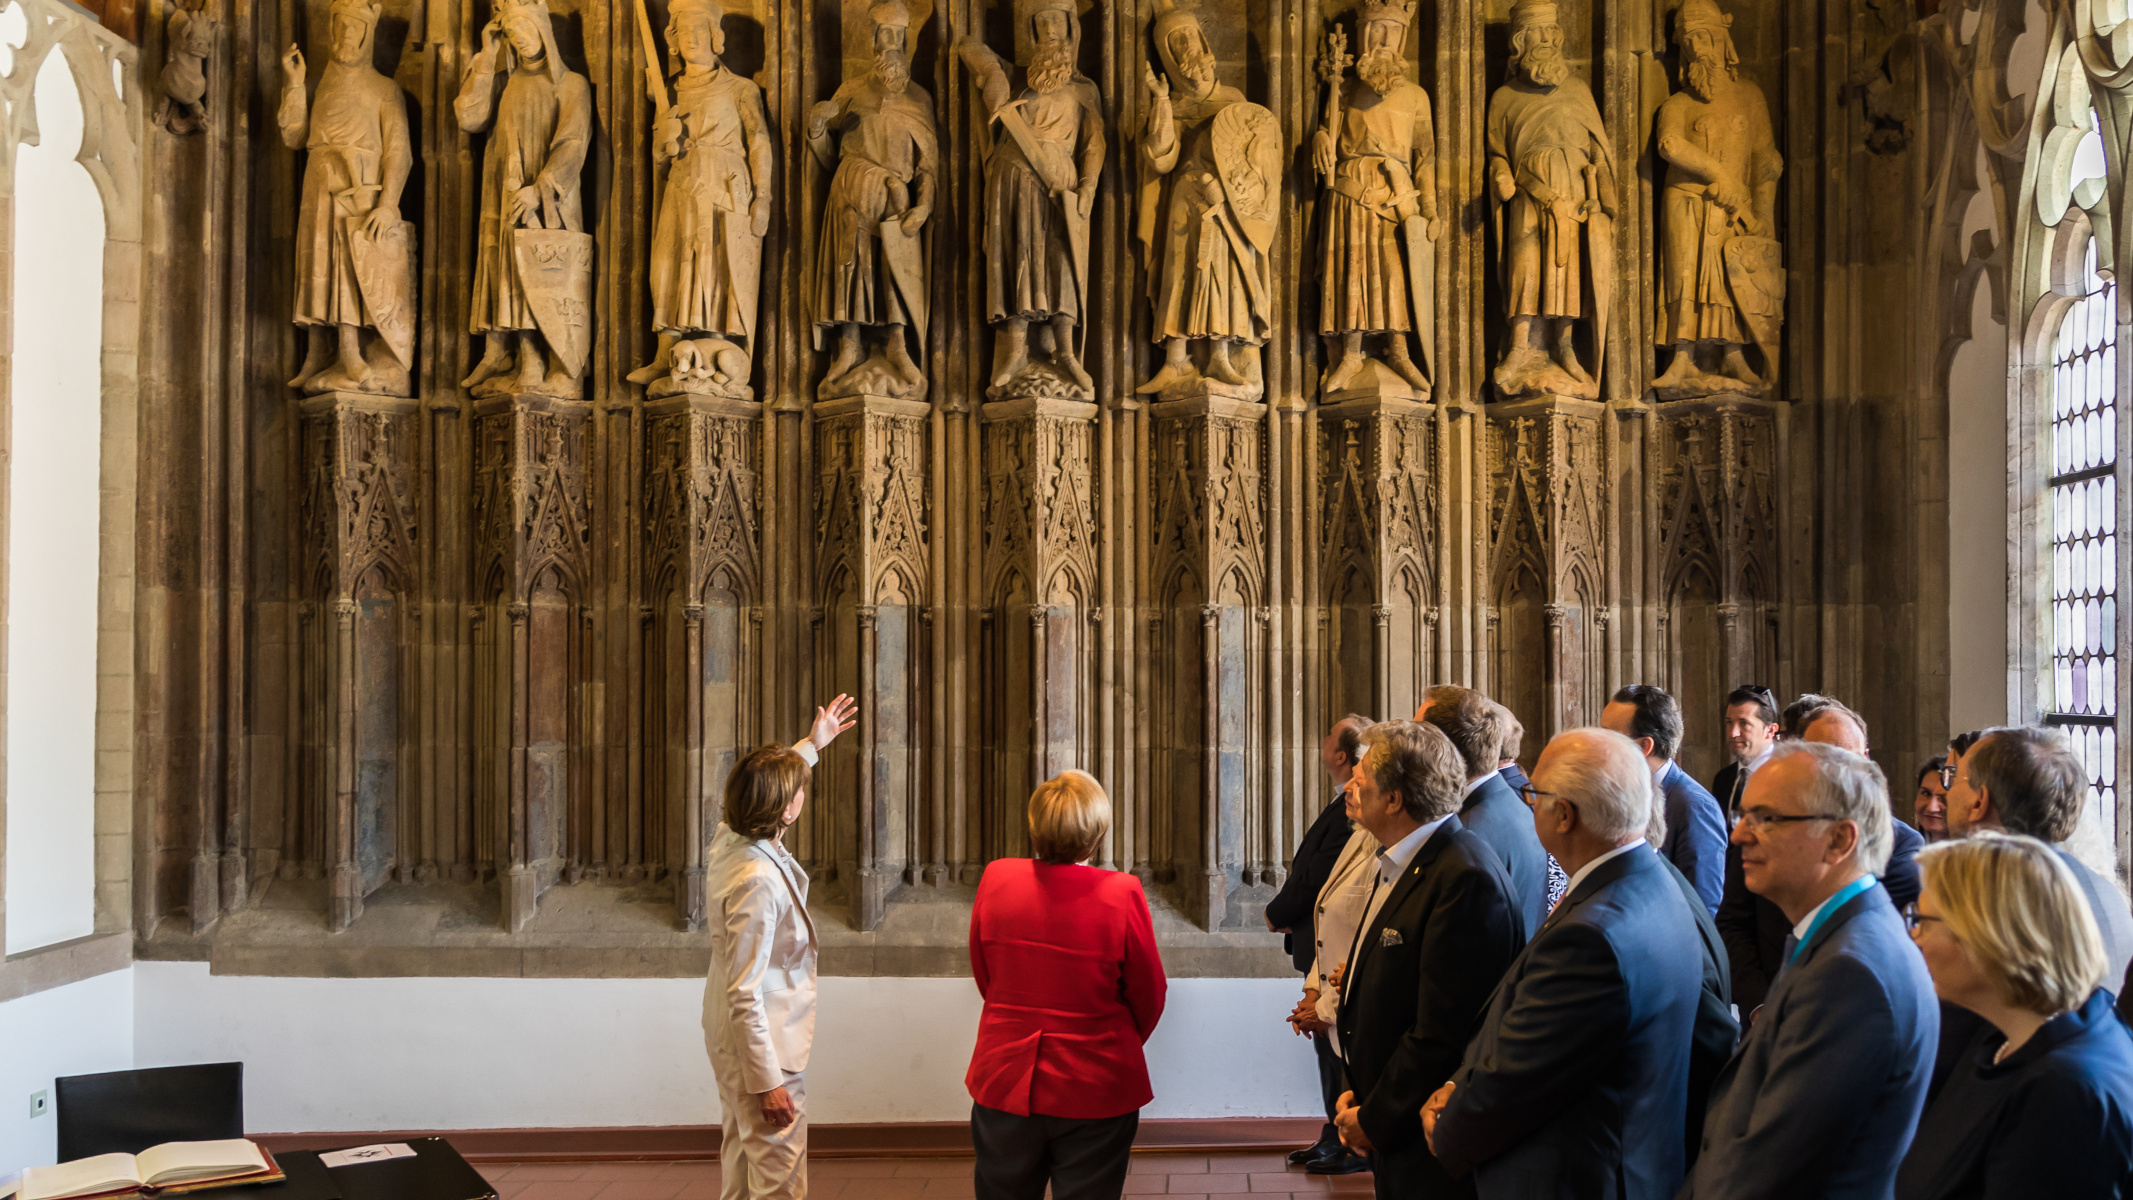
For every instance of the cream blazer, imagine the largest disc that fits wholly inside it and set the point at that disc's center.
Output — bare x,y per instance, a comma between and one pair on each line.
1340,912
759,1002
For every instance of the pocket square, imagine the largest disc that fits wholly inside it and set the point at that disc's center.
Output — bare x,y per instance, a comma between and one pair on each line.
1389,937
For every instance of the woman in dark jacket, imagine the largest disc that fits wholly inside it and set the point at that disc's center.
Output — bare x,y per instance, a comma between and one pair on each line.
2040,1103
1065,957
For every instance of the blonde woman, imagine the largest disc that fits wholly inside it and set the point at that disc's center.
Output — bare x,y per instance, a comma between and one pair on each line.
1064,954
759,1001
2040,1104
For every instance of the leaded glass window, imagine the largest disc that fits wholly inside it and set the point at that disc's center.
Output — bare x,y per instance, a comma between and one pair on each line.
2084,507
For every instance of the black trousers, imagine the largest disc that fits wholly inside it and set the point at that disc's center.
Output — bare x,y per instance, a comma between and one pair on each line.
1332,1081
1081,1159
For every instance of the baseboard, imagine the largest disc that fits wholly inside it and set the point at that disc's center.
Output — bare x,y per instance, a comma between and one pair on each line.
893,1139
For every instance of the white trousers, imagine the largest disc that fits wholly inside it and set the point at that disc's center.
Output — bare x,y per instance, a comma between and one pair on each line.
755,1160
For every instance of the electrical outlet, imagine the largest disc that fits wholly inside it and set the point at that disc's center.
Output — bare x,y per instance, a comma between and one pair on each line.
40,1104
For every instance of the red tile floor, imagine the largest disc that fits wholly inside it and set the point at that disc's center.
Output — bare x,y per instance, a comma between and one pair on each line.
1258,1176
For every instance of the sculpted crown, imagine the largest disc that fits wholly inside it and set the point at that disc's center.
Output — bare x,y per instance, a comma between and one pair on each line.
365,11
692,8
893,14
1529,14
1700,14
1374,12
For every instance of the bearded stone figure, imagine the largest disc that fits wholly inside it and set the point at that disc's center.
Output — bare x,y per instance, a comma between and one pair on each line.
1377,151
707,239
870,262
1210,192
1040,182
533,258
1722,282
1552,174
188,40
354,254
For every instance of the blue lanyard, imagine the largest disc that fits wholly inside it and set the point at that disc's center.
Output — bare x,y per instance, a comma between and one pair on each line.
1835,902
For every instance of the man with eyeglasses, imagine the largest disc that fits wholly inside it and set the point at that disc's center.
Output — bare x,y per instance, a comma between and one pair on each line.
1577,1083
1825,1091
1751,729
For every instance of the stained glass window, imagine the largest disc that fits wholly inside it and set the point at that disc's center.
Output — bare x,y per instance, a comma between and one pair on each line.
2084,507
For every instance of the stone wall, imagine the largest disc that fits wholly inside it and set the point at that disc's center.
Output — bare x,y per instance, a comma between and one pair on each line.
448,669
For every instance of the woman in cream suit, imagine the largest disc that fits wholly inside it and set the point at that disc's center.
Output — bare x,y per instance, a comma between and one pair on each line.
759,1003
1341,904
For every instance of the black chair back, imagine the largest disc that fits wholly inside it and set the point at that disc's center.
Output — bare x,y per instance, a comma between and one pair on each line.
126,1112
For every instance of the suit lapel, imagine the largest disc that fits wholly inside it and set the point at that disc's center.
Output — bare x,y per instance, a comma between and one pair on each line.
792,888
1402,887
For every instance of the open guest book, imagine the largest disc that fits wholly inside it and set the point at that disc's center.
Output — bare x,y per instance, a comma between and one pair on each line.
170,1169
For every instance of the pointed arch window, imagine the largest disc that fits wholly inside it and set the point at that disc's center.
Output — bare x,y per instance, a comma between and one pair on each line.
2083,494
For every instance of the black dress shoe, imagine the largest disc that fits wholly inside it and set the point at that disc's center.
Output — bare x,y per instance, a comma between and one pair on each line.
1310,1153
1340,1162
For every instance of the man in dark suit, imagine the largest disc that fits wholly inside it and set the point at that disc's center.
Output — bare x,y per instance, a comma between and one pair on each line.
1823,1095
1437,932
1750,721
1753,927
1577,1084
1695,829
1490,809
1291,912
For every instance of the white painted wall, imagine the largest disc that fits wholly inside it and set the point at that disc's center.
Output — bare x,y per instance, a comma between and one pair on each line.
1977,520
53,480
78,1029
359,1054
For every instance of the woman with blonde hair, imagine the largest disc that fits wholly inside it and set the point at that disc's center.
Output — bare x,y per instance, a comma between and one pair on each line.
2040,1103
1064,955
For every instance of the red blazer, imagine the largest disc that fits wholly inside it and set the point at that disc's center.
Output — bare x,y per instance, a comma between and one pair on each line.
1065,957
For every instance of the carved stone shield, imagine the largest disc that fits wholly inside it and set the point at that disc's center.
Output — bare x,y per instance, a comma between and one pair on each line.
1755,270
385,275
1247,147
555,274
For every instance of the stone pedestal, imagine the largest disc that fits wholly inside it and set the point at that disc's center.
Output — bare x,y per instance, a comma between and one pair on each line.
1380,471
1040,562
358,534
532,639
874,575
1209,571
704,620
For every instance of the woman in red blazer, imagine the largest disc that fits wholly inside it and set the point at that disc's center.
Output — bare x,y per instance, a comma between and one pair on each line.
1065,958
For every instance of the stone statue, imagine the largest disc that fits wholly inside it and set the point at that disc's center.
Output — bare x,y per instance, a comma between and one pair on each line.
532,299
1552,171
1722,274
1377,151
188,39
354,253
1040,183
707,240
1211,177
870,262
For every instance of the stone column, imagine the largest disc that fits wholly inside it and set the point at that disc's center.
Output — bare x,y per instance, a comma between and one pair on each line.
358,535
532,524
1377,475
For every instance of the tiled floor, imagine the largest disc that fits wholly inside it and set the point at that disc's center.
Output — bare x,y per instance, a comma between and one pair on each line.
1259,1176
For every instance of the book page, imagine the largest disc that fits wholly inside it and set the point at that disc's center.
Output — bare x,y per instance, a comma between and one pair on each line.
82,1177
178,1162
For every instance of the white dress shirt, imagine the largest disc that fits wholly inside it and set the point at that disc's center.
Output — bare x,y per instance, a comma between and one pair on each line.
1391,861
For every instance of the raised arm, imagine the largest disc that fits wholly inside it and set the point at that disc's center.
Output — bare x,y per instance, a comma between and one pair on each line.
294,115
476,104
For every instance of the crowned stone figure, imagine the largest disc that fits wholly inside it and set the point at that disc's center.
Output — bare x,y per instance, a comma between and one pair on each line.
533,258
707,241
1211,177
1040,182
354,253
1377,151
877,134
1551,169
1722,280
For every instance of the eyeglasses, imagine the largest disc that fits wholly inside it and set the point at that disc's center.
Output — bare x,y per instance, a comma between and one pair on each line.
1532,796
1769,697
1913,919
1759,822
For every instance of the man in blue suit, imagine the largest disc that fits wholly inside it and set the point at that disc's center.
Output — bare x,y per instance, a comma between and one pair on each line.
1823,1095
1491,810
1577,1084
1695,829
